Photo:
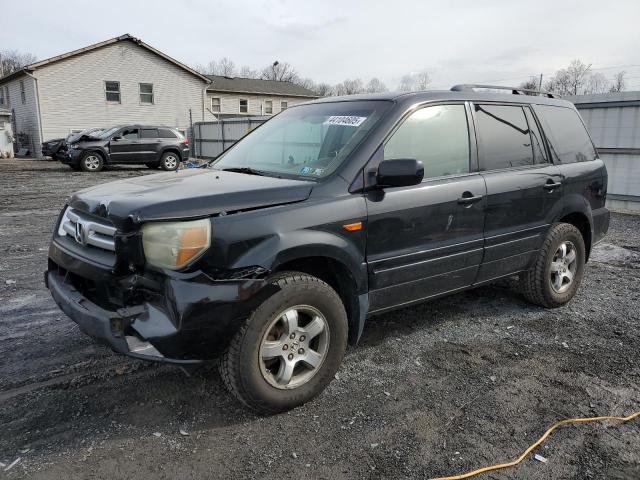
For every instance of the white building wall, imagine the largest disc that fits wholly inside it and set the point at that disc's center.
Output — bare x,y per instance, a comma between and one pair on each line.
72,91
230,103
25,114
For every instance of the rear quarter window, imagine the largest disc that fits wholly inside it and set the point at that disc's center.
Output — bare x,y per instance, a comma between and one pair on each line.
166,133
567,136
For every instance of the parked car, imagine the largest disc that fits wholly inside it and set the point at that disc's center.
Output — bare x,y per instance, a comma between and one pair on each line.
50,148
155,147
273,257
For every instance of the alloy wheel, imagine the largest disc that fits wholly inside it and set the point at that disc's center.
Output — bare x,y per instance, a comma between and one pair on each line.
92,162
294,347
563,267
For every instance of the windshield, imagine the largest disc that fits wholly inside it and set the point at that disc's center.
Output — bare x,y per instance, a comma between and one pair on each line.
107,133
308,141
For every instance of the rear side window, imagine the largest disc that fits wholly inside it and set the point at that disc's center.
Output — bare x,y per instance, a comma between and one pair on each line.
166,133
148,133
539,152
438,136
503,137
567,136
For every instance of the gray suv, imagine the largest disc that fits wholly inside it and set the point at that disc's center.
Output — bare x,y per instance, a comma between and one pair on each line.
155,147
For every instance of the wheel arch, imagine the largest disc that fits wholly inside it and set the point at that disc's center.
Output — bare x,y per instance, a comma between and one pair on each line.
172,150
582,222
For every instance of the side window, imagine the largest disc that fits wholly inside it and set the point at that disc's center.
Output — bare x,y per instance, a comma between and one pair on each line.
112,91
23,94
503,137
567,135
244,105
539,152
438,136
166,133
148,133
130,134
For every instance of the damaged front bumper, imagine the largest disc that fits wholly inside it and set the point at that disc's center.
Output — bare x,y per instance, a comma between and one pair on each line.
173,318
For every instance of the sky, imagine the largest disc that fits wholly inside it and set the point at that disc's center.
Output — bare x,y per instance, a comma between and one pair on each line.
503,42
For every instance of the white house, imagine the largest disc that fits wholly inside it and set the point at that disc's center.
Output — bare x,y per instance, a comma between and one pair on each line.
118,81
240,97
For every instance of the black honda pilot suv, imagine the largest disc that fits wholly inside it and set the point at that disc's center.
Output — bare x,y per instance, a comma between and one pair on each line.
272,257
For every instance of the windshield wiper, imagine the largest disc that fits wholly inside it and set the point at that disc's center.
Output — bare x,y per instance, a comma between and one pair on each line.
247,170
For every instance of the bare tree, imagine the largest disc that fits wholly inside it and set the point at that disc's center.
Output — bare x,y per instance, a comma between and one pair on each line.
597,83
282,72
619,83
226,67
423,80
247,72
307,83
578,74
323,89
531,84
12,61
376,86
413,82
351,87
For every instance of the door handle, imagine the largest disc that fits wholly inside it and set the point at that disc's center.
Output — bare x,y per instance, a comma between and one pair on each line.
551,185
469,198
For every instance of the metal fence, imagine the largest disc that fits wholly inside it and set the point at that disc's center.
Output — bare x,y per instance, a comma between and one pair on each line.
613,119
213,138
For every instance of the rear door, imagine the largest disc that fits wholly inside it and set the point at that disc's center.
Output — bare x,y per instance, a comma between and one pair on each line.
149,145
127,148
524,190
427,239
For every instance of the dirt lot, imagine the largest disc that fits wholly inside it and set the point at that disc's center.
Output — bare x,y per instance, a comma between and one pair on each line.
437,389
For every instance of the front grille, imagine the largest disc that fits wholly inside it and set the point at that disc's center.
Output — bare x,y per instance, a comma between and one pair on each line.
87,231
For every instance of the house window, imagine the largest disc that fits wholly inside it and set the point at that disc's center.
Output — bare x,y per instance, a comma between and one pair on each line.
268,106
284,105
146,93
112,91
6,96
244,105
23,94
2,96
215,105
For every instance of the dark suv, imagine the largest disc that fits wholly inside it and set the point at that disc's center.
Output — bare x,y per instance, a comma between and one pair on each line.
155,147
273,257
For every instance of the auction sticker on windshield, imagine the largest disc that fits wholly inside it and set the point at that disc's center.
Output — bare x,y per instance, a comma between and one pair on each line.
349,120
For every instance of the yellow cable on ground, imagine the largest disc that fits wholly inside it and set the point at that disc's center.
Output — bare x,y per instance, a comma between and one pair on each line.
537,444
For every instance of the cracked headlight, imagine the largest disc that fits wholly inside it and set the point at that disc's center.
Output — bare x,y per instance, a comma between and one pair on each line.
174,244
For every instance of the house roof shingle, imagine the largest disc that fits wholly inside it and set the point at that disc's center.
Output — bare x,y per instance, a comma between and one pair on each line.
258,86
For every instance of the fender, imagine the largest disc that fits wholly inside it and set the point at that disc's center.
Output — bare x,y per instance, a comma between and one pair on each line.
576,203
169,149
279,249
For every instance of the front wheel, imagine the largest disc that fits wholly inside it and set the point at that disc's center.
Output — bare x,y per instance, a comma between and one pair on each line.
556,274
290,348
91,162
169,161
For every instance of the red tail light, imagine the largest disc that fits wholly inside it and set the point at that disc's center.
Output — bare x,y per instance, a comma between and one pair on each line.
185,141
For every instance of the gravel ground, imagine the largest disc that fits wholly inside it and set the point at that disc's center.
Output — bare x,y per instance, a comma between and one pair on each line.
437,389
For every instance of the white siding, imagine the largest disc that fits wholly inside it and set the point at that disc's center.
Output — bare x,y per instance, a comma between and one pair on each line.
230,103
26,115
72,91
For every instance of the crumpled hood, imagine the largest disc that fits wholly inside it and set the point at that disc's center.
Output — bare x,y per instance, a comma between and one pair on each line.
186,193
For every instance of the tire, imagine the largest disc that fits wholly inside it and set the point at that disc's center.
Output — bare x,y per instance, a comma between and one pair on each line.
170,161
153,165
91,162
553,280
254,367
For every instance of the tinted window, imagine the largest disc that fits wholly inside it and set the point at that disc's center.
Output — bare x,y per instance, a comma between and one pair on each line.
568,138
503,137
166,133
438,136
148,133
129,134
539,152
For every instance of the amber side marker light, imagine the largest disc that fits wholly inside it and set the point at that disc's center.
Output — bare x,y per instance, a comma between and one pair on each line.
353,227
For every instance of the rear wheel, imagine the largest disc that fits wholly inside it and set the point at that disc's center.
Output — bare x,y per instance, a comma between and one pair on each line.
169,161
91,162
290,348
557,272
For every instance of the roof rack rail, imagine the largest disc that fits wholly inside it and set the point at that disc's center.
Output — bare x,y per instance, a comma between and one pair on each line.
514,90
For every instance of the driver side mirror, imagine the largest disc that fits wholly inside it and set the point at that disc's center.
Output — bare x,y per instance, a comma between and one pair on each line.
116,138
401,172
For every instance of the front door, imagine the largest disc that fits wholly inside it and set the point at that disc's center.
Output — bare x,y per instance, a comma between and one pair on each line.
524,190
126,149
427,239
